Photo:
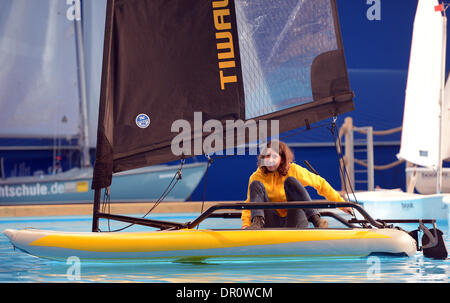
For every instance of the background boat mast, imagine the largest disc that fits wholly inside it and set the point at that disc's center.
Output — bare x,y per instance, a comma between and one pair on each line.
84,137
441,103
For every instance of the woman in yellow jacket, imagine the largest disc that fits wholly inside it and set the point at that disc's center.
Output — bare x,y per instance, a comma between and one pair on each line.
278,179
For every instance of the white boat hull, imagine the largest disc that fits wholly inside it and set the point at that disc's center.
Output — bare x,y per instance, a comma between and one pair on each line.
426,179
393,204
191,244
74,186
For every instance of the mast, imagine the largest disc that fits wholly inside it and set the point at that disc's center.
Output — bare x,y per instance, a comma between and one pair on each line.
96,210
84,140
441,104
101,118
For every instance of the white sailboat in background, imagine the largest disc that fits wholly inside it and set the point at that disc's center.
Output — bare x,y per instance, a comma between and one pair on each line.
424,178
49,88
426,125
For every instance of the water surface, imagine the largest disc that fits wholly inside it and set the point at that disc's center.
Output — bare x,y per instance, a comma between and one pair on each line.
17,266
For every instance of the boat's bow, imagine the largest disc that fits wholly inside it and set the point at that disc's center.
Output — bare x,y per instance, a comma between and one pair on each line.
9,233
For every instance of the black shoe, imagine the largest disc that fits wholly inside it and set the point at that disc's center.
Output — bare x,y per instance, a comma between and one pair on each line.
319,222
257,223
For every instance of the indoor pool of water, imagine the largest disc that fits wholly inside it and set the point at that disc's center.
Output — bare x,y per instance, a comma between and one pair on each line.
17,266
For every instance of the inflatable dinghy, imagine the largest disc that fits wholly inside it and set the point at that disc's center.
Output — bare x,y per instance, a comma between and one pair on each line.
178,241
205,244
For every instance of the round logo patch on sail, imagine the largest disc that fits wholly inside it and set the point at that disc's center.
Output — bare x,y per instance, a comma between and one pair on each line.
142,121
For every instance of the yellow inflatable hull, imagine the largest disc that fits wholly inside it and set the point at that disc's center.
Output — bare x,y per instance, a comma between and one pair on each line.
205,244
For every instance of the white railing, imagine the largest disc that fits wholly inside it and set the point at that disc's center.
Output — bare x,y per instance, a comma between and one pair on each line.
361,146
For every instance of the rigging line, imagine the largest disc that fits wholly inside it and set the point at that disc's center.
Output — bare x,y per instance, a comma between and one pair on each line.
342,169
108,197
154,206
107,203
104,202
364,225
345,170
169,188
162,198
338,154
341,172
151,209
223,157
342,166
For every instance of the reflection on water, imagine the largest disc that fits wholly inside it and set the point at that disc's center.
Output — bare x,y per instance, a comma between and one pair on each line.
16,266
343,270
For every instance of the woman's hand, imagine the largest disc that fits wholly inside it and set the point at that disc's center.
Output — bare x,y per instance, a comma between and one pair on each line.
347,210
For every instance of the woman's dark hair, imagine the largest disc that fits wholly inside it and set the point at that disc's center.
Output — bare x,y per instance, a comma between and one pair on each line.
285,153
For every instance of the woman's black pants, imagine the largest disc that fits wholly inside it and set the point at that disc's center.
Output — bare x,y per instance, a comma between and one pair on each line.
295,191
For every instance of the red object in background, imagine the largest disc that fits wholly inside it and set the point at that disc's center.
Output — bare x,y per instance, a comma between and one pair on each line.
439,8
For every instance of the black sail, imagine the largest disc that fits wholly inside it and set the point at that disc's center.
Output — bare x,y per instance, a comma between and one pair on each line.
165,60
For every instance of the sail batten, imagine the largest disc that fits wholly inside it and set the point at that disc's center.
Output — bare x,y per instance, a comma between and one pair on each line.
167,61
